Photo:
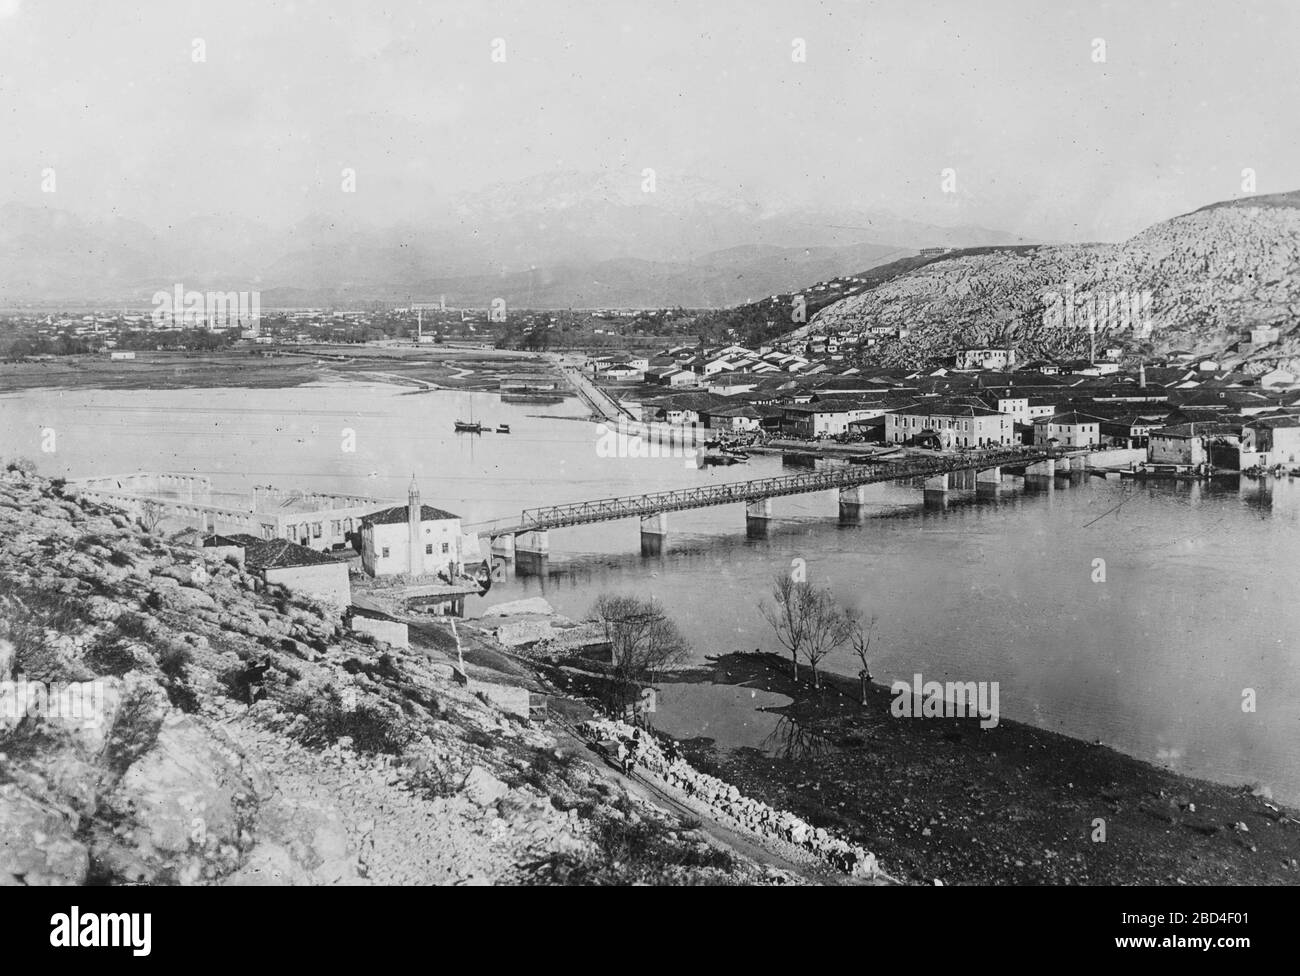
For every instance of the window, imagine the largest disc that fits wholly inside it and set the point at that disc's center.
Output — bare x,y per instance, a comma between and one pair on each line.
336,527
444,548
315,530
384,552
428,550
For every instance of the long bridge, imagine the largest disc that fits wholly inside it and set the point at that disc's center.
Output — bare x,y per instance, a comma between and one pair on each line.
529,533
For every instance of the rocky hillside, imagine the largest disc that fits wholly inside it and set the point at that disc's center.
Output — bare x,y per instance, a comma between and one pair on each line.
167,718
1209,276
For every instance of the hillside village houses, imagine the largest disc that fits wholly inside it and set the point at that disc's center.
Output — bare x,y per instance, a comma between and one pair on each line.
812,387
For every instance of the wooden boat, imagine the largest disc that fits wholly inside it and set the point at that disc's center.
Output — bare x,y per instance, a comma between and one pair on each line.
503,428
468,427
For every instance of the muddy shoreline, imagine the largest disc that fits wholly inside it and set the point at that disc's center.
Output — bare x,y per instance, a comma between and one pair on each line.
942,799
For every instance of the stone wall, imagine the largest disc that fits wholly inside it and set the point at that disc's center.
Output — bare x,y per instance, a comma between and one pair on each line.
726,800
327,582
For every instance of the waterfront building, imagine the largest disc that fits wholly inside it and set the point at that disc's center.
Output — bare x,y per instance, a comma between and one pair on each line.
1071,429
956,424
413,540
1267,441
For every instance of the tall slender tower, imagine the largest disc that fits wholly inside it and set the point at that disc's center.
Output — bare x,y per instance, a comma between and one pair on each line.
415,562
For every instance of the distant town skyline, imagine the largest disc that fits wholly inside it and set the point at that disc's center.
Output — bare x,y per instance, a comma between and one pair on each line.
1049,123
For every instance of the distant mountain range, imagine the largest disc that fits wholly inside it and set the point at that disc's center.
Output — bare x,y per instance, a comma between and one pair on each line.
1196,282
554,241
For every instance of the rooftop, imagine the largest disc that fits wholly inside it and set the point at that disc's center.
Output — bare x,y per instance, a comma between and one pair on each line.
282,554
398,514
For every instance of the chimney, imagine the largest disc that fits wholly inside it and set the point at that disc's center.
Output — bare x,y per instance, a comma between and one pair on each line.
415,561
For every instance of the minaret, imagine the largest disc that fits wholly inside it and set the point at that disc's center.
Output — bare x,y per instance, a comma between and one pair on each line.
1142,376
415,563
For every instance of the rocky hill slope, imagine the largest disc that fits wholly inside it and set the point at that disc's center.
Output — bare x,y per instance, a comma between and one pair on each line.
167,718
1194,283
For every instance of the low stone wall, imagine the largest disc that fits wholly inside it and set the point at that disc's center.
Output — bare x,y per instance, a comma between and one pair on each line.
389,631
328,582
723,797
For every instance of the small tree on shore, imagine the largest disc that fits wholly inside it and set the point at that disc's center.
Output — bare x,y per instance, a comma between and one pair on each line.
827,626
787,615
644,644
860,638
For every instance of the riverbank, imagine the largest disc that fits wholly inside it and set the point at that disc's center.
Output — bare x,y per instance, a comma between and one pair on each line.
472,370
943,799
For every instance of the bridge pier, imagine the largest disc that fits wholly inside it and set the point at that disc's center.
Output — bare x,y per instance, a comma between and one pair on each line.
654,530
1045,468
988,482
936,491
853,503
532,550
758,514
503,546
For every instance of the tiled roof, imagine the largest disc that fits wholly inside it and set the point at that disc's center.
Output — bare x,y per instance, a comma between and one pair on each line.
282,554
398,514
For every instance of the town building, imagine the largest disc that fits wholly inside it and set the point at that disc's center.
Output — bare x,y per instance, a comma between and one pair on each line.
986,359
413,540
1269,441
956,424
299,568
1071,429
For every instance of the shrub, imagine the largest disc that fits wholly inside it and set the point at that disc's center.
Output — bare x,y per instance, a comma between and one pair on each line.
109,655
372,728
133,625
135,730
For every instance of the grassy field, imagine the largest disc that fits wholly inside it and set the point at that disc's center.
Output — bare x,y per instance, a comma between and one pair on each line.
443,367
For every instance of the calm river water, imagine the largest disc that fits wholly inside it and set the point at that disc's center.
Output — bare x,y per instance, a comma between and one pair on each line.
1198,603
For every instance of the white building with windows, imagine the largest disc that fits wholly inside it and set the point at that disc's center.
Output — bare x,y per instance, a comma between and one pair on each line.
415,540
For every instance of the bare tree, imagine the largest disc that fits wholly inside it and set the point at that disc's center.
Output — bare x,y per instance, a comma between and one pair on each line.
644,642
786,615
860,638
151,515
827,626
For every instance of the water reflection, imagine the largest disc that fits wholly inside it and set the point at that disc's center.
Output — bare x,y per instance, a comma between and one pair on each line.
794,741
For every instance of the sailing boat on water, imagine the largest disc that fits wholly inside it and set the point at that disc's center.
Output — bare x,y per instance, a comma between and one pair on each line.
471,426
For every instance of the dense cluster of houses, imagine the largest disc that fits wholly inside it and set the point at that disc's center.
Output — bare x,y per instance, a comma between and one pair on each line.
1190,413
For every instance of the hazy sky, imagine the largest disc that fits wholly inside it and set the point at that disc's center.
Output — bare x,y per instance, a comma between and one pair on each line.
1045,141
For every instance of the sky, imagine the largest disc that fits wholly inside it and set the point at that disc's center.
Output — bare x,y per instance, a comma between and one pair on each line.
1044,139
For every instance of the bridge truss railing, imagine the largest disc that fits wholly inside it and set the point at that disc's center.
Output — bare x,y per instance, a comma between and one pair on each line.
849,476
